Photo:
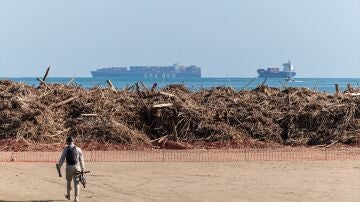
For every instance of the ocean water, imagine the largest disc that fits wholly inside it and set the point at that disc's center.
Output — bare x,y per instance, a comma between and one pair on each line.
318,84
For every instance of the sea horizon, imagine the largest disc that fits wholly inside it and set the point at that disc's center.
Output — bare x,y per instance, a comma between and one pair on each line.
238,83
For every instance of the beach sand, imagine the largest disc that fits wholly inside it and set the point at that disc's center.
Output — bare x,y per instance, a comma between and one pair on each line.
243,181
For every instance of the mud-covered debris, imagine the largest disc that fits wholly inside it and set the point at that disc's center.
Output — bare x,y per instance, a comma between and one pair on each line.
137,115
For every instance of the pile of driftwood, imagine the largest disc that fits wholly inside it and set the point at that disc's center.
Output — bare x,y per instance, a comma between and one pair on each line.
174,117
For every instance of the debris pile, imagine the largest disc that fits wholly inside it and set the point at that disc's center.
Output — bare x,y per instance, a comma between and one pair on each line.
174,117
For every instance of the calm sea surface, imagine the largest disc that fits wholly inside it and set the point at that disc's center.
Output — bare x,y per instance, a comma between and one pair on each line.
318,84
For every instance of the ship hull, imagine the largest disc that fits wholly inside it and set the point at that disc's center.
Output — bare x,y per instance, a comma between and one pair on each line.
277,74
142,75
114,75
174,71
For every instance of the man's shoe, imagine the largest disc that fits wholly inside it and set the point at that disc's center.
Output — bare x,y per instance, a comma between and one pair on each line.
76,200
67,196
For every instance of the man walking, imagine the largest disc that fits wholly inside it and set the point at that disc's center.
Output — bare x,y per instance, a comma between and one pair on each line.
74,163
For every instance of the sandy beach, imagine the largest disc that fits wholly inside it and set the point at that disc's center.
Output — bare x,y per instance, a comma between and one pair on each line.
244,181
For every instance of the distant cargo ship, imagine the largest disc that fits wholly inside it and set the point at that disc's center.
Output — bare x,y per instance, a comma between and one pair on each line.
173,71
287,72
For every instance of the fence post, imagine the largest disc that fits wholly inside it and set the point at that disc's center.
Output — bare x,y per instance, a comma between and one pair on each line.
246,158
163,155
326,154
11,157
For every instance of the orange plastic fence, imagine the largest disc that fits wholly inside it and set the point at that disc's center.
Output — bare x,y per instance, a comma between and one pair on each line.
233,155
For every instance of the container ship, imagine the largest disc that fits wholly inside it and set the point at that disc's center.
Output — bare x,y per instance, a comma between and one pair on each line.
173,71
287,72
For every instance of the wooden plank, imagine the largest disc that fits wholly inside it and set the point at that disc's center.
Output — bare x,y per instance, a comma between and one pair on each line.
355,94
44,78
70,82
65,101
42,82
166,94
89,114
163,105
111,85
46,73
337,89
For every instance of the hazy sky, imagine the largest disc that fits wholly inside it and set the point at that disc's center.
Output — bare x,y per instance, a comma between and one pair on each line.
224,37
